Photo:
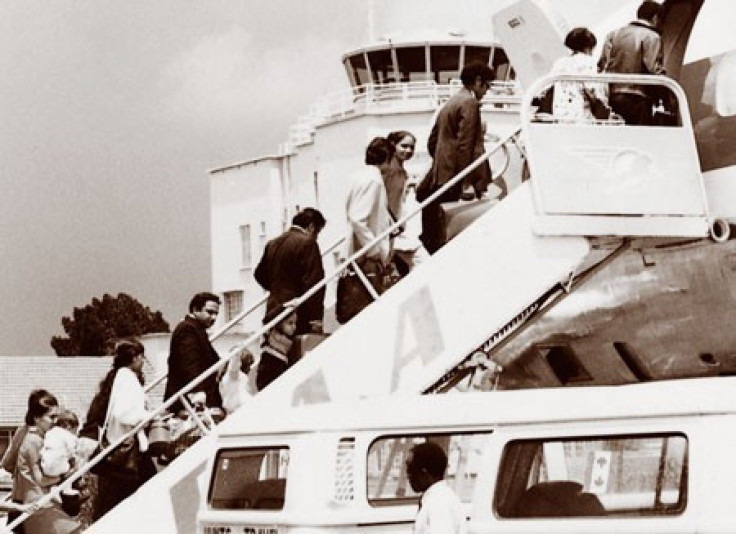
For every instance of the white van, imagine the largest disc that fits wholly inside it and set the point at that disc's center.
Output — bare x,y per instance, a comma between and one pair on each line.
656,457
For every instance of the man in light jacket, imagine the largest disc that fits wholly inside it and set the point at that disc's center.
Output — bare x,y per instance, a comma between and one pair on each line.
634,49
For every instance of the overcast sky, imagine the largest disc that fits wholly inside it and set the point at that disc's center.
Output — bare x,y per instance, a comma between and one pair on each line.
114,111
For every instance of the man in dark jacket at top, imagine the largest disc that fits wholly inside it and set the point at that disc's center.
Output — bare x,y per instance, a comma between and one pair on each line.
455,142
291,265
191,353
634,49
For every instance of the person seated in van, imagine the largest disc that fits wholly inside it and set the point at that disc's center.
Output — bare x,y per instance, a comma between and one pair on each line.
275,347
578,101
440,510
234,381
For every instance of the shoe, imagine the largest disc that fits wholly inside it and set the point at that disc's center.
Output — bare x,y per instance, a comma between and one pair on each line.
468,193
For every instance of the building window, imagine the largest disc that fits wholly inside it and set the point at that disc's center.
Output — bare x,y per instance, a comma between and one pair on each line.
6,435
233,304
245,247
263,237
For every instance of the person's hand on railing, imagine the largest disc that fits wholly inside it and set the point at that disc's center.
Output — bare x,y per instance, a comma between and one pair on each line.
198,399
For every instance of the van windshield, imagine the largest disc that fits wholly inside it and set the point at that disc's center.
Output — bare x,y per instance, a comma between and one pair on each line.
249,479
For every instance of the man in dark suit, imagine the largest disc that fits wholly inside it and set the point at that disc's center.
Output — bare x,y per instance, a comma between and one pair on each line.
291,265
455,142
191,353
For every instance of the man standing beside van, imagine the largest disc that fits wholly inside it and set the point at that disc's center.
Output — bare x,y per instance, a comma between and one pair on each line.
440,510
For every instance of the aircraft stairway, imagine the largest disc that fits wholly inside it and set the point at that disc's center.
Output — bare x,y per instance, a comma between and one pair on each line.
473,292
512,263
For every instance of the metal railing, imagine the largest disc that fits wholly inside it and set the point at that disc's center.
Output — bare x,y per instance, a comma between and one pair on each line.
369,98
240,316
181,394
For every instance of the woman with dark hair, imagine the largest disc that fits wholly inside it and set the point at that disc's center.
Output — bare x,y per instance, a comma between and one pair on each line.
29,482
123,386
408,250
571,100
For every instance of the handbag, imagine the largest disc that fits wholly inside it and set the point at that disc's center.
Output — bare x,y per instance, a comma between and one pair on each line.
598,107
352,295
425,187
121,462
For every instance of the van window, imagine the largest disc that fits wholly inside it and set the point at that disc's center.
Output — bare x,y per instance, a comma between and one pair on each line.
387,483
613,475
249,479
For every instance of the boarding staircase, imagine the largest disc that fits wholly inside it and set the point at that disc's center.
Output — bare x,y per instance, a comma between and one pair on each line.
452,313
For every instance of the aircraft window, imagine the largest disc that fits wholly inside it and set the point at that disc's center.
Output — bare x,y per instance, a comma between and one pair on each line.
725,82
249,479
382,66
477,54
360,70
412,63
445,62
387,484
602,476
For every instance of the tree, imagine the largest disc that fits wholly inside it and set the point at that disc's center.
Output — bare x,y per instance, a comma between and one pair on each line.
93,329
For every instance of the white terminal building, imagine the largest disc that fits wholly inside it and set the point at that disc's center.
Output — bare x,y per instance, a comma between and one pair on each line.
394,84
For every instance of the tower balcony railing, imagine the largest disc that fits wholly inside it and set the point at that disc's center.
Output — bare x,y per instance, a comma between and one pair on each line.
372,98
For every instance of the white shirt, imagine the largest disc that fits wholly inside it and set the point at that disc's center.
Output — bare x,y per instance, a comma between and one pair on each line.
440,512
59,446
569,102
367,213
234,385
127,407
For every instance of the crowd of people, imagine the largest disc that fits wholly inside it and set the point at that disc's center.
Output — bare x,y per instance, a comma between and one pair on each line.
50,446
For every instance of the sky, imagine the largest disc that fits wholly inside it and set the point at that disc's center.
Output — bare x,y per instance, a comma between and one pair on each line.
114,112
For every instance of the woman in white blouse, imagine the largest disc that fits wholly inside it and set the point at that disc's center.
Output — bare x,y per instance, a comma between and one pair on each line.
569,102
126,408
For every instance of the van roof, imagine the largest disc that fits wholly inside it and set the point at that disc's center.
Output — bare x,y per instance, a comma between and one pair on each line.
662,398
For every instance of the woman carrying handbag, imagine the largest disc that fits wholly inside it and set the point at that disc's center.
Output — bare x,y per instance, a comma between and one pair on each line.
128,466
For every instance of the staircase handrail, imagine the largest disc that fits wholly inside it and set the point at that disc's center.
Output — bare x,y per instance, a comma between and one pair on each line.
239,317
214,368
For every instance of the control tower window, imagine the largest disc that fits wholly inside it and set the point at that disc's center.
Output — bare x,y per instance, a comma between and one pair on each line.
445,63
477,54
502,66
359,69
412,63
382,66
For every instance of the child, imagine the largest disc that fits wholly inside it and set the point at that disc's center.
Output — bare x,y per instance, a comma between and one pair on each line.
58,455
234,382
61,453
275,348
